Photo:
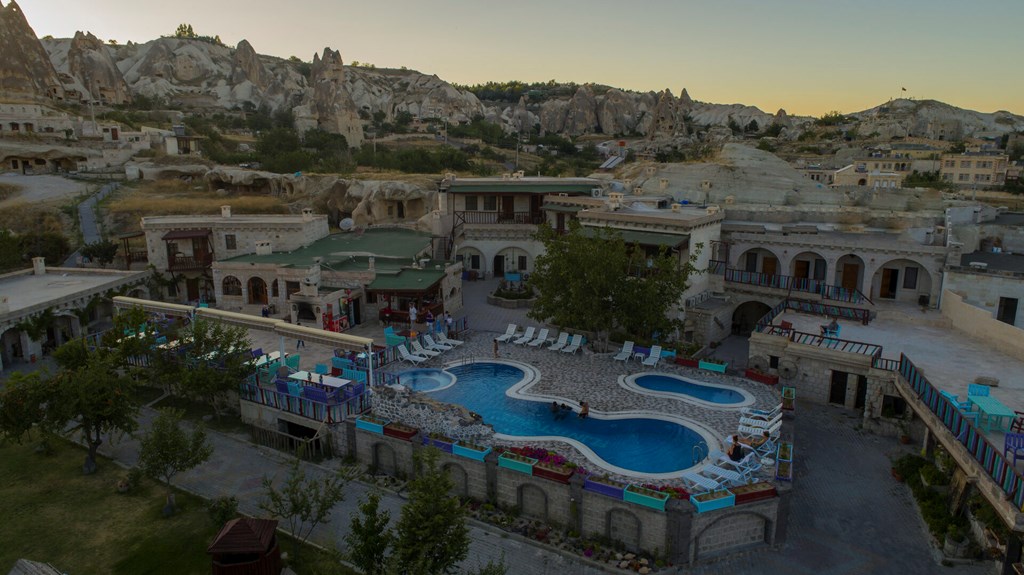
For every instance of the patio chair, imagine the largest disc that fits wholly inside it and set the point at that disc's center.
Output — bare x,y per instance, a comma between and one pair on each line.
1013,444
420,350
746,467
761,413
321,369
625,353
526,337
1018,422
693,480
574,344
653,358
786,326
510,332
441,337
964,405
257,353
760,422
411,358
541,339
563,338
978,390
433,345
748,432
722,475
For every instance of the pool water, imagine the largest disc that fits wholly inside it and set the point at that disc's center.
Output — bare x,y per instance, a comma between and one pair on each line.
635,444
425,380
673,384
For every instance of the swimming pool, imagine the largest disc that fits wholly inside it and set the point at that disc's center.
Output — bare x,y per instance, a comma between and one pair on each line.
426,380
628,443
676,387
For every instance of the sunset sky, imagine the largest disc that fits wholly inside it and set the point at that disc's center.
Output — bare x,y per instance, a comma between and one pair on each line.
807,56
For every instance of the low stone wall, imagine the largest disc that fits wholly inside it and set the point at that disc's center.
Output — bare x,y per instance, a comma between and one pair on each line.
678,534
427,415
979,323
510,303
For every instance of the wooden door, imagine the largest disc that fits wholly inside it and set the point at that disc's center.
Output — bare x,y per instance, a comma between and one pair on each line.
887,289
850,273
560,222
802,269
508,207
769,266
192,289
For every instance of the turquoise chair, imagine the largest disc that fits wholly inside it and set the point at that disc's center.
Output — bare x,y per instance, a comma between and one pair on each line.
322,369
978,390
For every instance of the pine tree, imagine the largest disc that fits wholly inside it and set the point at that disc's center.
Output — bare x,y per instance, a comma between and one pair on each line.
431,534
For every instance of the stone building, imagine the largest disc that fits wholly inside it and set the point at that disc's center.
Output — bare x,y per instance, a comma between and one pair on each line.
975,169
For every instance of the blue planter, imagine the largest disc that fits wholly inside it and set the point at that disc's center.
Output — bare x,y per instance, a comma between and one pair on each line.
445,446
720,503
652,501
370,426
716,367
517,465
468,453
603,488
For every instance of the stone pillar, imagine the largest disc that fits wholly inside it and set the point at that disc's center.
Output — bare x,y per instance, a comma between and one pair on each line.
929,443
576,503
491,463
680,531
30,347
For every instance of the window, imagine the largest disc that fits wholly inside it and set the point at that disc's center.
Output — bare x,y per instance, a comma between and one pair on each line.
949,164
910,278
232,286
1007,312
474,262
773,361
471,204
229,239
965,177
965,163
751,263
522,263
491,203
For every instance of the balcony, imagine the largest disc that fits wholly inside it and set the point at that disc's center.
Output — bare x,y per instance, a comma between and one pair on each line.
791,284
493,218
181,263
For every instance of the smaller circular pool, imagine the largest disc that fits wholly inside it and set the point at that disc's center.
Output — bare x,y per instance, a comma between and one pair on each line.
426,379
701,393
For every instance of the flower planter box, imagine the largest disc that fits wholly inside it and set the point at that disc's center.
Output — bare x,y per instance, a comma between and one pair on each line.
761,377
559,474
713,500
475,452
669,354
517,462
400,431
645,497
753,492
710,366
604,487
784,470
445,445
371,424
688,362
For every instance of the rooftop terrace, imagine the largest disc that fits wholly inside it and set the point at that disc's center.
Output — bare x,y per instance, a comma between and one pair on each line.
337,250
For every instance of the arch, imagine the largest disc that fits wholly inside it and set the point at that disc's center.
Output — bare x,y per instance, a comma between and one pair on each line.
231,286
901,279
743,529
862,182
758,260
472,259
746,316
139,291
512,259
808,265
532,501
385,461
849,273
459,477
257,291
624,526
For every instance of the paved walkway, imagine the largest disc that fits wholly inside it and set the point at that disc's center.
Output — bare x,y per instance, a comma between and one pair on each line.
87,221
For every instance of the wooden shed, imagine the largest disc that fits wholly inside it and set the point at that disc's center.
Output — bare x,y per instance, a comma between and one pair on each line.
246,546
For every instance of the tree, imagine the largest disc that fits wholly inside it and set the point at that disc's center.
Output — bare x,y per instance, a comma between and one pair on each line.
369,537
431,535
101,251
167,449
218,361
303,503
752,127
21,404
734,125
184,31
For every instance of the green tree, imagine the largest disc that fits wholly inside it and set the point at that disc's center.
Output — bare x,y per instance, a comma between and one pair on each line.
22,400
832,118
167,449
184,31
101,251
303,503
369,537
957,147
431,535
217,362
734,125
752,127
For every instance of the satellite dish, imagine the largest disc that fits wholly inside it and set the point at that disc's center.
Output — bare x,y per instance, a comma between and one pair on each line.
346,224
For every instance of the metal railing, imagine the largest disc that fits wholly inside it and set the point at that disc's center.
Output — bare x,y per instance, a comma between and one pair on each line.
887,364
836,344
185,263
534,218
308,408
783,282
987,455
698,299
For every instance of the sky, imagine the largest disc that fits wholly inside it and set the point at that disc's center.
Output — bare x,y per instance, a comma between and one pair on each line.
806,56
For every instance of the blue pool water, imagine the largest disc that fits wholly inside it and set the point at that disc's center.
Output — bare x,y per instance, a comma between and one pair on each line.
637,444
711,394
425,380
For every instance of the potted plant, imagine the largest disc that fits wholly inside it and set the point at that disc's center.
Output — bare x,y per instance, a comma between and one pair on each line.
761,377
753,492
516,462
555,471
470,450
604,485
712,500
712,364
439,440
371,423
644,496
400,431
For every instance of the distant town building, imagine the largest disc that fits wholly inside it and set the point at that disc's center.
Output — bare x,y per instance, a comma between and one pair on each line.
975,169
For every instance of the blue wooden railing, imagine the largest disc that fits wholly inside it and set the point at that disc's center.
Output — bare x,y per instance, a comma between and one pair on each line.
328,412
988,456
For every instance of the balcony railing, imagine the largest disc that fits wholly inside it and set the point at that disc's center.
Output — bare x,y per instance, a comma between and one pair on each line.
187,263
789,283
534,218
308,408
764,325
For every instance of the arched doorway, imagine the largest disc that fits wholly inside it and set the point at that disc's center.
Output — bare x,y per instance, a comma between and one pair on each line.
849,272
747,315
472,261
511,260
901,280
257,291
231,286
808,266
758,260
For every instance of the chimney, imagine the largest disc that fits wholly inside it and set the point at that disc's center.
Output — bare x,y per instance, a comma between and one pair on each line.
225,211
264,248
676,207
307,214
371,259
39,266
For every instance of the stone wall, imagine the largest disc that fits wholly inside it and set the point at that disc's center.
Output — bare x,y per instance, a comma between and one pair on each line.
731,529
980,324
429,416
637,527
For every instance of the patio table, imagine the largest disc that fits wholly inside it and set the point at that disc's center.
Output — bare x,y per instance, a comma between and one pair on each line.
267,358
328,380
994,415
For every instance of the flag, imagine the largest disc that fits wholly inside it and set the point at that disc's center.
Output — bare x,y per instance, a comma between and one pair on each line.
904,89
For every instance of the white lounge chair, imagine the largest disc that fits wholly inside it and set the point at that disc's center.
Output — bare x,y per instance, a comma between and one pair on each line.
411,358
654,357
541,338
420,350
722,475
510,332
694,480
433,345
574,344
526,337
441,337
745,467
563,338
758,422
773,430
626,353
761,413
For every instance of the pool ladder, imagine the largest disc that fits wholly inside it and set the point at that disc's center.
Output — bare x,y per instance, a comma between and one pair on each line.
700,448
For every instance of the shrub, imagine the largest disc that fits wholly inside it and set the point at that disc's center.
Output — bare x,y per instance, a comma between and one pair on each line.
222,510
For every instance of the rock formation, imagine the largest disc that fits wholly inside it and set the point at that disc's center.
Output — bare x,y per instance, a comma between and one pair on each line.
25,68
331,105
87,69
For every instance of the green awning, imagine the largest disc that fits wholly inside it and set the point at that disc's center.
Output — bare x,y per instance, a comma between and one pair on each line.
408,280
674,241
562,208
